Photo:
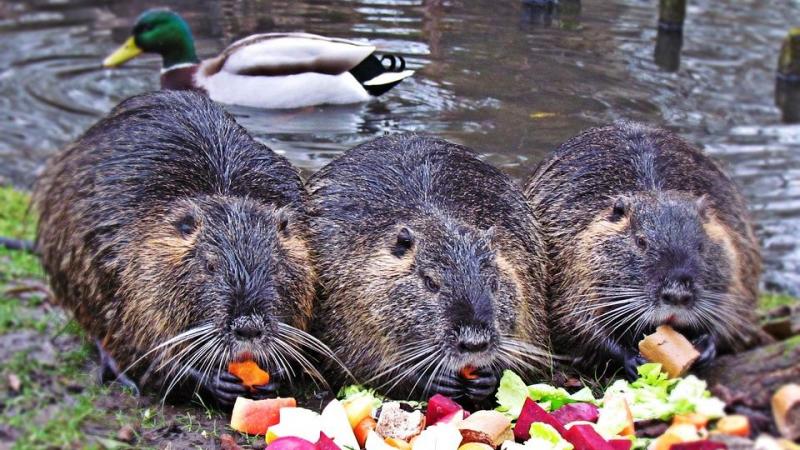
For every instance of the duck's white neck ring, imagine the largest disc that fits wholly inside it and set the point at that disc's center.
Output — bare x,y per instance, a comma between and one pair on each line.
177,66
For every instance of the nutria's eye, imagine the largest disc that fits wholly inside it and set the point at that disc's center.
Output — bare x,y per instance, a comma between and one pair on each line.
211,266
186,225
700,247
641,242
405,240
430,284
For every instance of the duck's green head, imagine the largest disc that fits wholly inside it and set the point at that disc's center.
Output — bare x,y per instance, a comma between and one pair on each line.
157,31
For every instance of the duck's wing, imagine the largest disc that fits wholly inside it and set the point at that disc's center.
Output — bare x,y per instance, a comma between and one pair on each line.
275,54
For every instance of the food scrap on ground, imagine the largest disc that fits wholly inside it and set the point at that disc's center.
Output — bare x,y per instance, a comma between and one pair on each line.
786,411
535,417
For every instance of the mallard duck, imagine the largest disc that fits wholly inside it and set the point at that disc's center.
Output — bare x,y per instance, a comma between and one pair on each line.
272,70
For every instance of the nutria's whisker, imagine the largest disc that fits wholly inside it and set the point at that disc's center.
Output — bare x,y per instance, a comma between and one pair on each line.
188,335
437,369
291,352
612,307
402,358
304,339
188,366
423,364
185,367
531,351
404,368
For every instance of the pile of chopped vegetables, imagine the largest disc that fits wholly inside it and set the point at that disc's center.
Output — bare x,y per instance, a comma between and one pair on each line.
538,416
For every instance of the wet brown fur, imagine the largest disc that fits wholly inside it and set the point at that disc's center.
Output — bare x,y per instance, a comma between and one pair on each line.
359,204
572,195
107,206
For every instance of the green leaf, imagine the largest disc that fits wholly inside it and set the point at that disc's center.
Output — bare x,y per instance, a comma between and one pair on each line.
511,394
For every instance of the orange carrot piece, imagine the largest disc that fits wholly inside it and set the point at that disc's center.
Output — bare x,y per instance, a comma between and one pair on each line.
468,372
249,372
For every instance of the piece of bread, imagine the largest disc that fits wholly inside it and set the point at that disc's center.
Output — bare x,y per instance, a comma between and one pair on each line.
395,422
786,411
487,427
670,348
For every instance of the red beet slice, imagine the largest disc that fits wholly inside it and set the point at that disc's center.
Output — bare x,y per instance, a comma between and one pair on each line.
531,412
326,443
440,406
576,412
584,437
699,445
621,444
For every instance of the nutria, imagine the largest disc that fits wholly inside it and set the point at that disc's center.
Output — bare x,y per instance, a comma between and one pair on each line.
178,242
643,229
429,263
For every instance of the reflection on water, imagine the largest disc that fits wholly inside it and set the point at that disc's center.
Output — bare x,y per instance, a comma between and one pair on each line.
508,78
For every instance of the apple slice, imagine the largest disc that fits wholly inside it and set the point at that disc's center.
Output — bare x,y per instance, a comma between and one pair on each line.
358,409
255,416
615,418
336,425
296,422
439,437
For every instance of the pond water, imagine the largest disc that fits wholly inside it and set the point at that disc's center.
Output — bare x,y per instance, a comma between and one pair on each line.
498,76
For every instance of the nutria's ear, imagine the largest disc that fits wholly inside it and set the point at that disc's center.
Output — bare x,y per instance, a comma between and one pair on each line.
283,217
702,206
620,209
404,242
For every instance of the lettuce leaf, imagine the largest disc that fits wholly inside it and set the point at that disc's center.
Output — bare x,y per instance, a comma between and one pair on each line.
545,437
357,390
511,394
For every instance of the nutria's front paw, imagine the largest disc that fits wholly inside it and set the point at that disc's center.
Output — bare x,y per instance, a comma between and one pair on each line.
474,390
447,384
482,385
222,388
631,363
111,373
707,345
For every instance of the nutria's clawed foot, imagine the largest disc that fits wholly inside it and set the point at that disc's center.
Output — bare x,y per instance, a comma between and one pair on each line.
225,387
475,390
111,373
707,345
631,364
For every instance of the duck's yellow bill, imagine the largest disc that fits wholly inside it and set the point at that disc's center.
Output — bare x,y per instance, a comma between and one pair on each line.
127,51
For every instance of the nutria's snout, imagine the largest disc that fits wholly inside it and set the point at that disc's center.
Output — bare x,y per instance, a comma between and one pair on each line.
471,341
678,291
250,330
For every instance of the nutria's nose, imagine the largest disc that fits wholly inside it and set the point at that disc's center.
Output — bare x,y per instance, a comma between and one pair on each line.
677,297
247,331
473,345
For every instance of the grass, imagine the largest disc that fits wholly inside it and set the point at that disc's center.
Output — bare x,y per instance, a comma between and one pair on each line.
772,300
